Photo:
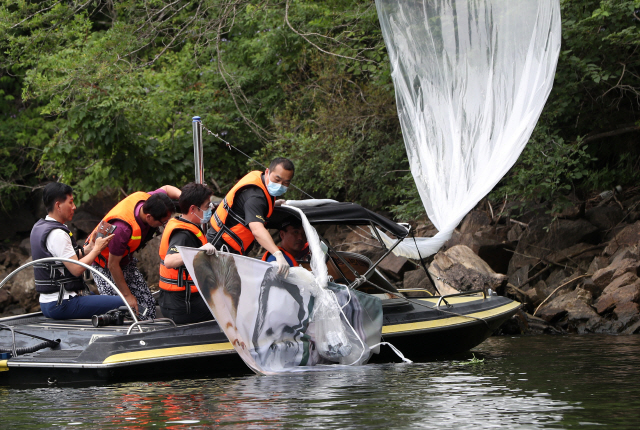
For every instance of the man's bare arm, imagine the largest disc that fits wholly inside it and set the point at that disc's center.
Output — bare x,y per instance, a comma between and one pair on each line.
172,192
118,279
263,237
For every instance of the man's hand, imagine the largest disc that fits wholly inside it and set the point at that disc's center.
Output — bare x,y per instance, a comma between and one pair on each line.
131,300
280,202
102,242
209,249
283,266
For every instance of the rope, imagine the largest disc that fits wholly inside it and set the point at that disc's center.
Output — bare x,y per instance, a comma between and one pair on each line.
230,146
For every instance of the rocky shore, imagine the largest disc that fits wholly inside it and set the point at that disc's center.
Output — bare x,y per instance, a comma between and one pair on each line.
574,272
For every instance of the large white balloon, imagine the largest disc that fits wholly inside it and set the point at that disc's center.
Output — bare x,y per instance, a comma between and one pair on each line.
471,79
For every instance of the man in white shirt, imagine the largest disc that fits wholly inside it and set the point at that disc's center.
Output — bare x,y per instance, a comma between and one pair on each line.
60,284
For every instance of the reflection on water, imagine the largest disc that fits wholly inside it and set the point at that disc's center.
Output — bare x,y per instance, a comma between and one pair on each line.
527,382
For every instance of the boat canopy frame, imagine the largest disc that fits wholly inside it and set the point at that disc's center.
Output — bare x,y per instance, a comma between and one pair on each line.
344,213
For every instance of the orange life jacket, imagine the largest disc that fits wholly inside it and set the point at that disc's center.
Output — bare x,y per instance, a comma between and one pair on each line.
169,278
124,211
293,260
238,237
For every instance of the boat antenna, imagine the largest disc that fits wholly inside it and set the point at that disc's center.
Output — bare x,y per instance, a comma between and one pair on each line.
230,146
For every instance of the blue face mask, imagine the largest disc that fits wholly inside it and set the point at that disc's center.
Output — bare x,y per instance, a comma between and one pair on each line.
206,216
276,189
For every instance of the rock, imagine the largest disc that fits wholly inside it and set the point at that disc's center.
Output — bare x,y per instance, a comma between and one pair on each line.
394,265
629,252
624,289
12,310
515,233
558,277
418,279
580,253
463,271
632,329
626,314
537,242
5,298
474,221
25,246
629,236
603,277
597,263
571,312
604,217
101,203
84,222
520,275
149,261
23,288
18,220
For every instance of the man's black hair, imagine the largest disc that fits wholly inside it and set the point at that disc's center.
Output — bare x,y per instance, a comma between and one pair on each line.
284,162
193,194
159,206
55,192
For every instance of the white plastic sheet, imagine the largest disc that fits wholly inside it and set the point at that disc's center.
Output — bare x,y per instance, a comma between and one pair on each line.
471,78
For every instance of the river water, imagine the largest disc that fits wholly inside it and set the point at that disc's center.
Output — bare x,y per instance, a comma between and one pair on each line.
515,382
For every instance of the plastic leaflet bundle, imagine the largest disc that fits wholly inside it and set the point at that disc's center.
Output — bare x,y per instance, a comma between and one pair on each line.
281,324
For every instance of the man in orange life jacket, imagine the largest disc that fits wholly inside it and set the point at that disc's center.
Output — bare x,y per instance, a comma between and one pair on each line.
293,243
137,218
179,298
241,216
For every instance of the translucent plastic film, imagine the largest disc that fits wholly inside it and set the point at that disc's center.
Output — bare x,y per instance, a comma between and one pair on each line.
471,78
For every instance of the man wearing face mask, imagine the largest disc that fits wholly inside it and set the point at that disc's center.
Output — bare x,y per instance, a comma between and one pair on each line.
239,220
179,298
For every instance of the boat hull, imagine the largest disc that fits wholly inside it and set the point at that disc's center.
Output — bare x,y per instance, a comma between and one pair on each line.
88,355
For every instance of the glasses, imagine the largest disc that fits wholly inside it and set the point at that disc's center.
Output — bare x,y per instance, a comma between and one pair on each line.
208,207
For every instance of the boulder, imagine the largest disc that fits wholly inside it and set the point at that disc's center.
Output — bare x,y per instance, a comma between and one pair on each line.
23,288
520,275
463,270
395,266
625,288
597,263
149,262
544,236
18,220
604,217
474,221
418,279
84,222
515,233
5,298
25,246
628,252
629,236
604,277
571,312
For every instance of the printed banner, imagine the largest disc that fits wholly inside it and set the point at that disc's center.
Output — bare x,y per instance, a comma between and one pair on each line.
270,320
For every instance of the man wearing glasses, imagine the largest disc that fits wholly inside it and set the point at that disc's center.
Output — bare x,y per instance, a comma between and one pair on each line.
179,298
136,218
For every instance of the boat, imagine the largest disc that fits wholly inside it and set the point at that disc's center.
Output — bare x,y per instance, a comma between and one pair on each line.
35,350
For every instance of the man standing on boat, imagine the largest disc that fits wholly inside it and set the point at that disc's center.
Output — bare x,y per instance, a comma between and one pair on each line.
137,218
293,243
60,284
179,298
241,216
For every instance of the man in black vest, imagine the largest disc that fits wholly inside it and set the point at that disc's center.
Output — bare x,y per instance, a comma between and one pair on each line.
60,284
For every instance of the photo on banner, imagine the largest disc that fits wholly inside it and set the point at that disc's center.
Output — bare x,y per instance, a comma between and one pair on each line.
269,320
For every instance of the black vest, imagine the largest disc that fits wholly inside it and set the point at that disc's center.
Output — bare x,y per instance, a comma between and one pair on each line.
48,277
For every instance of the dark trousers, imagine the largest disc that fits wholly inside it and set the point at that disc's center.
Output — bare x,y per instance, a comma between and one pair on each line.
173,305
81,307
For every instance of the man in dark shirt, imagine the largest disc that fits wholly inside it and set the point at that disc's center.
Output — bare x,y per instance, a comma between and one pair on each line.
246,208
180,300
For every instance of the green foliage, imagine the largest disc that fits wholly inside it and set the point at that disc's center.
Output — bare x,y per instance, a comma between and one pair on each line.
102,93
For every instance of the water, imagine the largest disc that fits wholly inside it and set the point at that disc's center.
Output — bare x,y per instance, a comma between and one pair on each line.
587,382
